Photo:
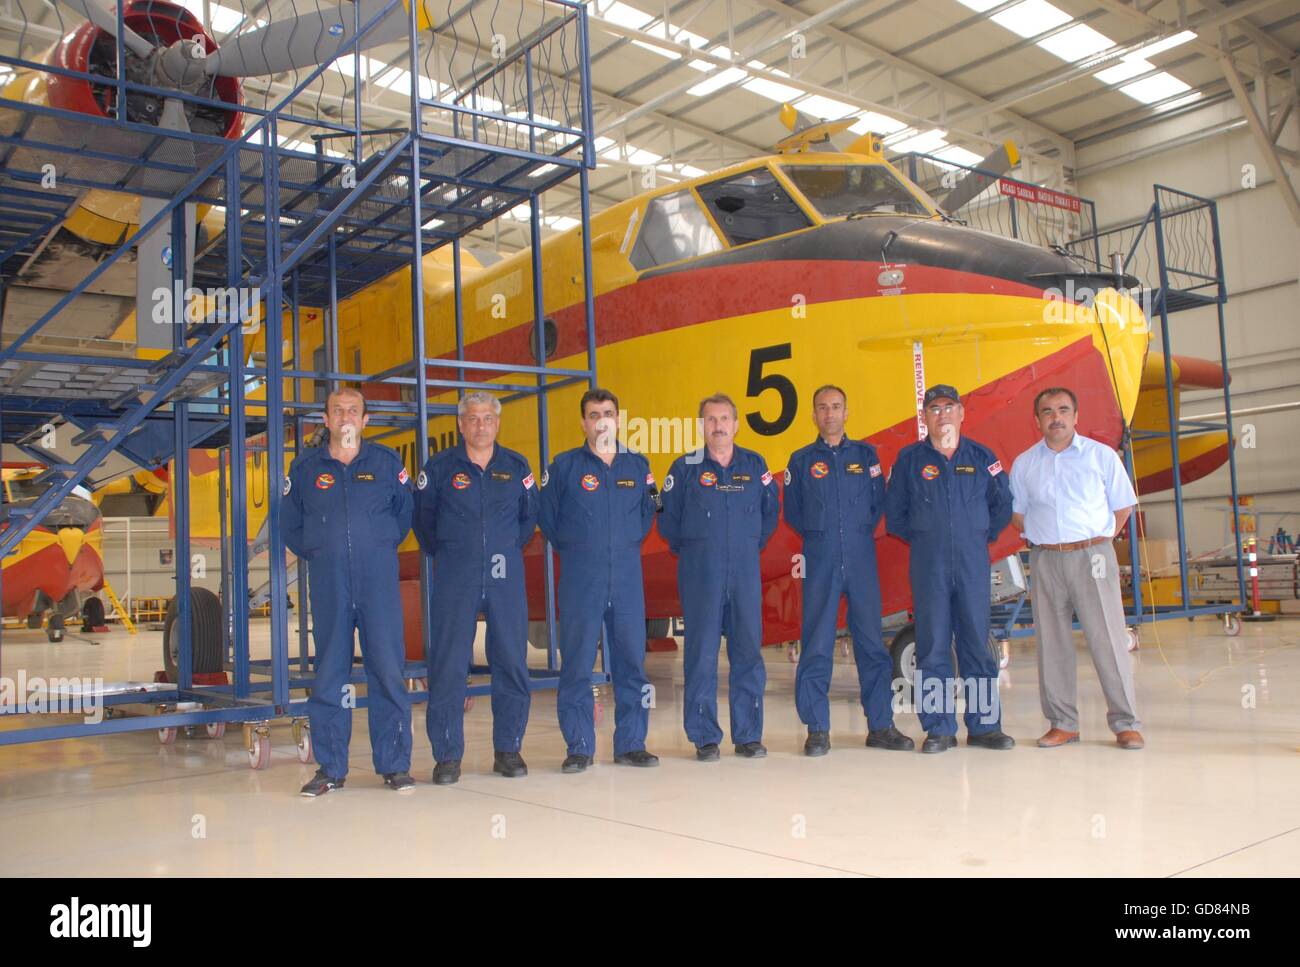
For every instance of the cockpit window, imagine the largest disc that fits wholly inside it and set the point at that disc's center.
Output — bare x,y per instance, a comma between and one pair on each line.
836,190
751,206
26,488
675,228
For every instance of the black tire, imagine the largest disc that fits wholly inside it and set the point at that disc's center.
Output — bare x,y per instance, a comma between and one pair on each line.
206,638
92,614
54,630
659,628
34,620
902,650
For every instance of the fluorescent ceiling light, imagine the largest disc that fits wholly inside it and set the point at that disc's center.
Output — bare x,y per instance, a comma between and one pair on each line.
640,156
959,155
924,143
825,108
1157,87
872,122
542,171
1031,18
717,81
623,15
1076,43
771,89
1160,46
562,222
1124,70
434,223
979,6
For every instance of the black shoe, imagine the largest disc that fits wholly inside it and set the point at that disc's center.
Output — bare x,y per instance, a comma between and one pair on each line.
576,763
399,781
708,752
992,740
321,784
939,743
639,758
891,739
818,743
509,764
751,750
446,773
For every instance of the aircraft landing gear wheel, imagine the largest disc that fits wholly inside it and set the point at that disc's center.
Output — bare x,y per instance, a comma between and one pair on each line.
54,630
215,730
1133,641
302,739
259,746
1231,625
792,652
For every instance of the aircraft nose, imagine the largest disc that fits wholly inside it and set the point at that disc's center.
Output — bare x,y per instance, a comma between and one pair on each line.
71,539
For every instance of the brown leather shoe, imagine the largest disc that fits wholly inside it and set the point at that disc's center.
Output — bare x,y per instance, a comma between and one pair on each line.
1054,737
1129,739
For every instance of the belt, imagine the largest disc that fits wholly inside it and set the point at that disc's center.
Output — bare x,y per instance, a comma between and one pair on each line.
1073,546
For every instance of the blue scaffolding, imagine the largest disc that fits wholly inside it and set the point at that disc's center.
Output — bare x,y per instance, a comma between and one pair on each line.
302,228
1175,248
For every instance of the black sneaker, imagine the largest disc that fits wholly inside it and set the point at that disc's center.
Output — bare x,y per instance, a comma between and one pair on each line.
446,773
998,740
399,781
818,743
639,758
938,743
708,752
890,739
509,764
576,763
320,784
751,750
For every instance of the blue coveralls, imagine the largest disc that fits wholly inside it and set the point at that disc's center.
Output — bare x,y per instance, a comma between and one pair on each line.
834,496
717,520
347,521
949,510
597,517
475,522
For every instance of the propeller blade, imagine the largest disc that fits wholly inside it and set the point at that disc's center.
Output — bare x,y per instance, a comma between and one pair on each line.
105,18
809,133
993,167
305,41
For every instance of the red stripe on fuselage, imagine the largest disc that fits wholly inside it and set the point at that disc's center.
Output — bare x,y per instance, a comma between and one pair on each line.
693,296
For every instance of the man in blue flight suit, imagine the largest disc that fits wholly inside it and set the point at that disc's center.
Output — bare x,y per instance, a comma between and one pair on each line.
598,505
949,499
346,507
834,497
720,509
475,509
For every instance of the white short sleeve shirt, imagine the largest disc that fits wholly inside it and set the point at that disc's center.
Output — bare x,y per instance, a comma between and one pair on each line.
1071,495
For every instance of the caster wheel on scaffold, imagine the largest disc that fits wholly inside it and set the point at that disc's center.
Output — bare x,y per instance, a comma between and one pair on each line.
302,739
259,746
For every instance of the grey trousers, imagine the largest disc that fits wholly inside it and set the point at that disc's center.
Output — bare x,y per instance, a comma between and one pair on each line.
1085,582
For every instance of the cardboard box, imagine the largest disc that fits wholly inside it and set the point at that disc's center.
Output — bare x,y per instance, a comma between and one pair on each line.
1157,555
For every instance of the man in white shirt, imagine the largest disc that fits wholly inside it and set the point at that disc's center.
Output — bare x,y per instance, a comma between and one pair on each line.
1070,497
